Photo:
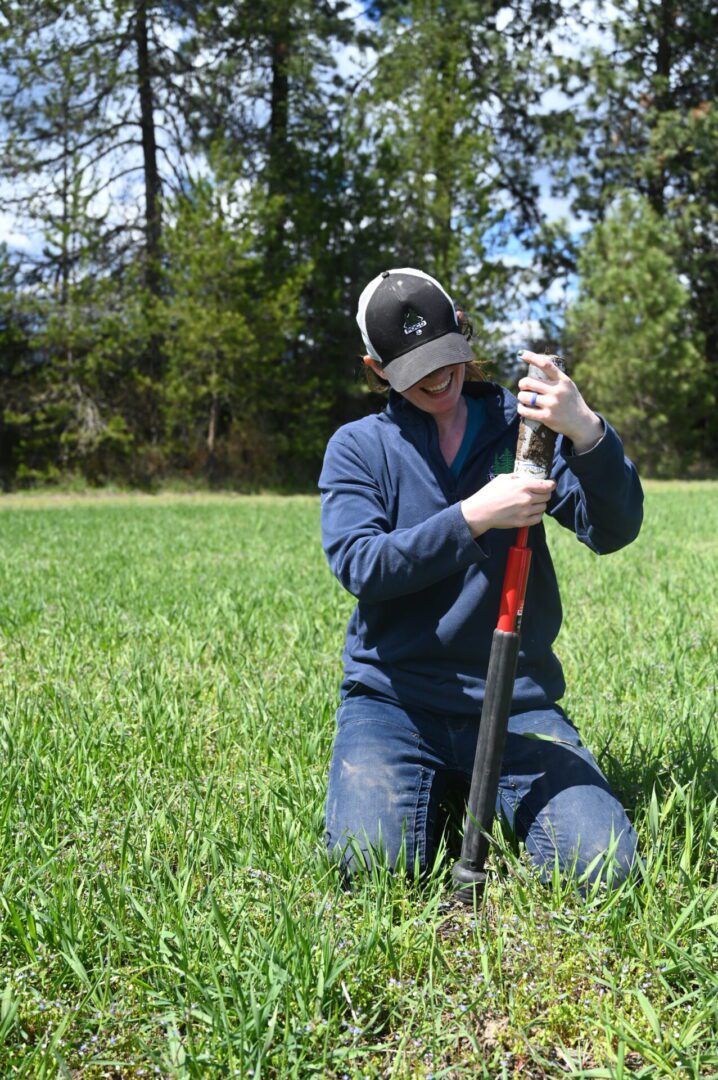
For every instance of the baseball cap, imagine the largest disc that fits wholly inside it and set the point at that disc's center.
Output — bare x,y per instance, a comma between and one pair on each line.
409,325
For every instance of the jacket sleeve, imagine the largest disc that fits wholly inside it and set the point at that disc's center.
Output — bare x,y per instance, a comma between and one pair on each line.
598,493
372,560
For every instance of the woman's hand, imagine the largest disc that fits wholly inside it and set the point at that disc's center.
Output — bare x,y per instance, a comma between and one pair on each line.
558,404
508,501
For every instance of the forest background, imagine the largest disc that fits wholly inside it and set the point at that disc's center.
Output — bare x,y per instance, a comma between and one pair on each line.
193,195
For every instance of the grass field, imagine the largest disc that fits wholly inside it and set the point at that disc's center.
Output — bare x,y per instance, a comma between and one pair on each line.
168,675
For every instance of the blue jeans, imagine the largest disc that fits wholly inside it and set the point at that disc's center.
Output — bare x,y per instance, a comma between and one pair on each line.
392,768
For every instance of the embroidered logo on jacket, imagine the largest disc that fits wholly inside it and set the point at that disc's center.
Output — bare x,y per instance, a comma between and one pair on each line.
502,463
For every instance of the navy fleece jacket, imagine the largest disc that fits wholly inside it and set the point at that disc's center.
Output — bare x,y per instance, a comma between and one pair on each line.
428,593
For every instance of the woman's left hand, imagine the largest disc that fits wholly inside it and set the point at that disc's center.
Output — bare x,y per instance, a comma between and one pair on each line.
558,404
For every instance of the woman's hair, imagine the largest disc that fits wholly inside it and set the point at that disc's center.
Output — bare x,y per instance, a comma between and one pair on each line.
474,369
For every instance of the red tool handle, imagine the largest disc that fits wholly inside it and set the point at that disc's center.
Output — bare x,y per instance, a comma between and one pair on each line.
516,579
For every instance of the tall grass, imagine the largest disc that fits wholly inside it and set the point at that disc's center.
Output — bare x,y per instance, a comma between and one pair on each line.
168,675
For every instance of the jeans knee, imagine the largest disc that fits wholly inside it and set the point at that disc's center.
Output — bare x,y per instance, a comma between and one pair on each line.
359,857
613,862
590,850
624,856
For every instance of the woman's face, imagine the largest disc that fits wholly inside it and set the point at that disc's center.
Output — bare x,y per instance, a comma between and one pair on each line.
437,393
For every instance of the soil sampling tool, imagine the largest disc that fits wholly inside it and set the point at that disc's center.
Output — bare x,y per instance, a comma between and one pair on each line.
534,456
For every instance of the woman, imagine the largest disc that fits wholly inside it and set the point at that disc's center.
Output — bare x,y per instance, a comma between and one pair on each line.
419,508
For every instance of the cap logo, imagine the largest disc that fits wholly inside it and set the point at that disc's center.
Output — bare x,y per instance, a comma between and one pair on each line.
413,322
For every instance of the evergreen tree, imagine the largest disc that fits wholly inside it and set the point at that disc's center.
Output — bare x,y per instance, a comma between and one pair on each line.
15,362
447,125
270,102
59,127
637,354
233,403
88,113
644,118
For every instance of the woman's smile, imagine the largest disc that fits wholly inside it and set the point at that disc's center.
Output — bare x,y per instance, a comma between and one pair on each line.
440,394
439,388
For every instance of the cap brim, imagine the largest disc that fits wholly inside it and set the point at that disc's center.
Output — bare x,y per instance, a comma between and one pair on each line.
408,369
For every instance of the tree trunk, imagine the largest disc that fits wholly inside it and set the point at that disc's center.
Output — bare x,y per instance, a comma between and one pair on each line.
63,271
664,59
279,108
213,424
153,186
444,170
153,358
278,163
212,470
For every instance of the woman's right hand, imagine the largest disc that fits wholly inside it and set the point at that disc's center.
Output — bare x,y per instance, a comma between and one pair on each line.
509,501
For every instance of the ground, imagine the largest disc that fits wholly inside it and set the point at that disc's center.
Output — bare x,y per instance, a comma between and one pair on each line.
168,673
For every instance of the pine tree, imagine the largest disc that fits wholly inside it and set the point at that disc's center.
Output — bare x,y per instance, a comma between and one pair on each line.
233,404
447,118
643,117
93,140
16,360
270,103
89,121
636,354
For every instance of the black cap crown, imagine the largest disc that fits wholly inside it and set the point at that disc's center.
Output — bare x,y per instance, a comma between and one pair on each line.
410,326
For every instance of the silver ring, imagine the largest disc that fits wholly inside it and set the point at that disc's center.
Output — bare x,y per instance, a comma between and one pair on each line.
534,399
